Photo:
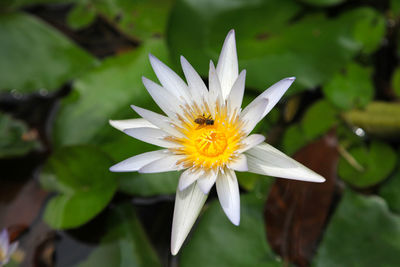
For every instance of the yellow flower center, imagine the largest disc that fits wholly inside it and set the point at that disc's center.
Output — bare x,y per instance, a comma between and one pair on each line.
209,144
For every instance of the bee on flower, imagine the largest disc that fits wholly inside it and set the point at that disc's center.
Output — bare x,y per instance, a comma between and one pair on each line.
6,249
206,133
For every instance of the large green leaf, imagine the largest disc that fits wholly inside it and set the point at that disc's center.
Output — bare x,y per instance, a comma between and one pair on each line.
362,232
313,48
377,162
390,191
125,243
84,184
351,88
139,20
217,242
106,93
323,2
34,56
318,119
16,139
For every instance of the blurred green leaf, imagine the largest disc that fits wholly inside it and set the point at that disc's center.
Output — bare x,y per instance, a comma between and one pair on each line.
390,191
142,184
16,4
139,19
81,15
378,162
378,118
16,139
293,139
351,88
396,81
217,242
106,93
313,48
125,243
362,232
34,56
395,7
318,119
323,2
370,31
85,185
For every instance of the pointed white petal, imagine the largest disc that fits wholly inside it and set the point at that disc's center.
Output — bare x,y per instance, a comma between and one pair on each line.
228,195
207,181
12,249
266,160
235,97
169,79
136,162
188,204
227,67
253,114
131,123
4,241
162,122
168,103
188,177
239,164
166,164
151,135
198,90
251,141
275,92
214,85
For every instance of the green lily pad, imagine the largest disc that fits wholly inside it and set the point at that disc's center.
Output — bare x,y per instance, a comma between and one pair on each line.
395,7
217,242
318,119
378,118
351,88
313,49
396,82
34,56
390,191
362,232
16,139
293,139
378,161
84,184
323,2
104,93
139,20
125,244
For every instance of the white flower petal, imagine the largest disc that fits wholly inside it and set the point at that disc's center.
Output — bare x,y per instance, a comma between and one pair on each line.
162,122
198,90
188,177
251,141
228,195
151,135
227,67
274,93
266,160
168,103
169,79
4,241
253,114
207,181
166,164
136,162
215,95
235,97
239,164
131,123
12,249
188,204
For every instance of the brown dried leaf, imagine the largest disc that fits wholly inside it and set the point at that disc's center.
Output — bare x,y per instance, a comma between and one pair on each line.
296,212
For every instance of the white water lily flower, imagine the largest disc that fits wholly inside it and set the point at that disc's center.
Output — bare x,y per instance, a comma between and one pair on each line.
6,249
207,134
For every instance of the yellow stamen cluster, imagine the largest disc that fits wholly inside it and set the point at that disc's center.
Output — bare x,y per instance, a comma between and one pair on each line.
209,146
